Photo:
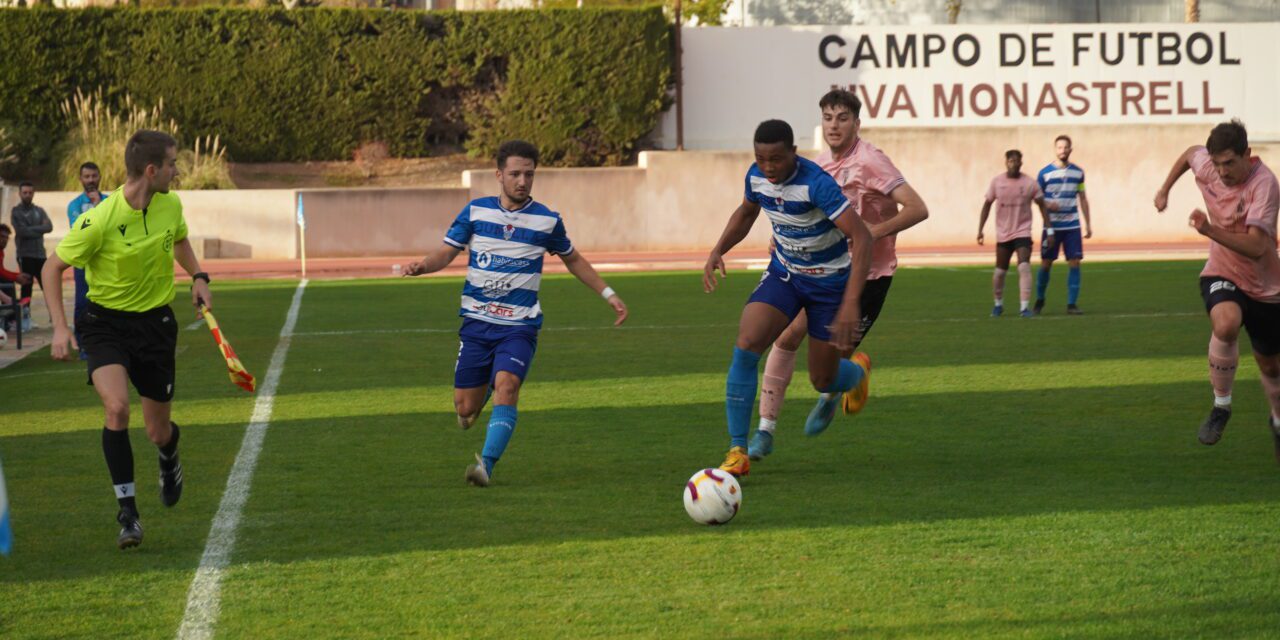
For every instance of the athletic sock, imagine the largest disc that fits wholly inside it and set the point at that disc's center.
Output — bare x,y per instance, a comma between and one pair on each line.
997,285
740,394
169,452
502,423
848,377
778,369
1073,285
1024,284
119,454
1042,282
768,426
1272,387
1224,357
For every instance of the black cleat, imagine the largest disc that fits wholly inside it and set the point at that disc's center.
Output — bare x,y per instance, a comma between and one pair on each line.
1213,426
1039,306
1275,437
171,483
1073,310
131,531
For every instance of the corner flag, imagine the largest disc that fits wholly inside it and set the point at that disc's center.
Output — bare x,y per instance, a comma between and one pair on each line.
6,535
302,219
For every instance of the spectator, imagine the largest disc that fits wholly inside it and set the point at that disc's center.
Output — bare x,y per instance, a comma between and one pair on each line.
7,278
90,177
30,224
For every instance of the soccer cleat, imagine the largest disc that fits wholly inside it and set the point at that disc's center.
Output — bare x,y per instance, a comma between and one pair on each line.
761,445
736,462
1073,310
821,415
478,474
1213,426
996,311
1026,313
171,483
1275,437
131,530
1038,307
853,400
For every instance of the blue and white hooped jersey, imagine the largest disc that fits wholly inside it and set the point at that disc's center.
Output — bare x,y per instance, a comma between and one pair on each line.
1062,186
504,270
801,210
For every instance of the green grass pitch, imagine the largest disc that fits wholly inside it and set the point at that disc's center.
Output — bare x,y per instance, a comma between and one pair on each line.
1009,478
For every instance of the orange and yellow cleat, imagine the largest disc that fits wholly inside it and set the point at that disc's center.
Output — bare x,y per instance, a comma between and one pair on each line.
856,398
736,462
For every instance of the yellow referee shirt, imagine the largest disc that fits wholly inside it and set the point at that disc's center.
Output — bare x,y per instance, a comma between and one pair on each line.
126,254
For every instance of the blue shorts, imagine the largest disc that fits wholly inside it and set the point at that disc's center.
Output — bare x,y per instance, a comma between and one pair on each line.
1068,239
485,348
820,298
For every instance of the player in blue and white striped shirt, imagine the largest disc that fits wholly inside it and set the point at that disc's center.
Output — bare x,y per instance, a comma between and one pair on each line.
1063,185
507,235
820,264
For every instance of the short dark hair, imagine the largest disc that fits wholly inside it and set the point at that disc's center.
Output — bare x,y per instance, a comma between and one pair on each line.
774,131
90,165
146,147
1063,136
1011,153
841,98
1228,136
516,149
26,183
5,230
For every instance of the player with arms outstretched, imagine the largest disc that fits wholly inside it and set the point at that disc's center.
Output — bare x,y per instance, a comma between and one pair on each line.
819,266
1240,282
508,236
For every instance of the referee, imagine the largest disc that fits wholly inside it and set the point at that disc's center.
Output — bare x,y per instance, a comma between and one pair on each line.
126,246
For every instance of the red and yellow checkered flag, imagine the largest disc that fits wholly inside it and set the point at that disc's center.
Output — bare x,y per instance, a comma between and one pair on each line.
235,370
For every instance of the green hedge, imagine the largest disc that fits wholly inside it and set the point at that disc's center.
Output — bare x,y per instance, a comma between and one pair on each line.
584,85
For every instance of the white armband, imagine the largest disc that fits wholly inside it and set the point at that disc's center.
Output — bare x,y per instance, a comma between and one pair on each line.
607,293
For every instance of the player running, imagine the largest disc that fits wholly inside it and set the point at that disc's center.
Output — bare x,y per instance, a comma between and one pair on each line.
507,235
1063,184
1240,282
876,188
819,266
1014,191
127,245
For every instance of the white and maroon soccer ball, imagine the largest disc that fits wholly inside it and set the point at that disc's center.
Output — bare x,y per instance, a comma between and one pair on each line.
712,496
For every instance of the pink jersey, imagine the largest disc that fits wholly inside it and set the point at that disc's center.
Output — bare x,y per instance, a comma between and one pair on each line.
1235,209
867,177
1013,198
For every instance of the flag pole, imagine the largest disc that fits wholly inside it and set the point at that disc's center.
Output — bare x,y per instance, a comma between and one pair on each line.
302,237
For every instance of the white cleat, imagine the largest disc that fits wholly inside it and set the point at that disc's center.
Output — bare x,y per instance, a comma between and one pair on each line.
477,475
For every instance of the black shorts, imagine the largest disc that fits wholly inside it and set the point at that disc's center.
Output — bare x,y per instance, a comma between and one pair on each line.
144,343
871,302
1261,319
1015,244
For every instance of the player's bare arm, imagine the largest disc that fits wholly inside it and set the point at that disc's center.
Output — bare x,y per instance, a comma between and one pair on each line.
844,332
185,255
52,276
1084,209
739,226
434,261
581,269
1180,166
982,219
1253,244
912,212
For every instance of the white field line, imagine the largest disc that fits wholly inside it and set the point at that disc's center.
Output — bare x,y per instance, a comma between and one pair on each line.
194,325
204,599
658,327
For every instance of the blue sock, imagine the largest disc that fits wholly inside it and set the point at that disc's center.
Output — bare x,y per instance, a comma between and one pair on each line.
502,423
1042,282
848,377
1073,285
740,395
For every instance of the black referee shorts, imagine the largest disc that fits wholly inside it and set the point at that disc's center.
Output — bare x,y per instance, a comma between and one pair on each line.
143,343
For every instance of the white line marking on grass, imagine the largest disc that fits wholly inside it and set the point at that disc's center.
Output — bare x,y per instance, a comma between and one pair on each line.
194,325
660,327
204,599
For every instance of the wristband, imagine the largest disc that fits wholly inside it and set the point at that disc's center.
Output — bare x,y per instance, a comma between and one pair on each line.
200,276
607,293
1049,232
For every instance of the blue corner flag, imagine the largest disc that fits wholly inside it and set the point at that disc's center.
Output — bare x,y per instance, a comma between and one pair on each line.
302,219
6,536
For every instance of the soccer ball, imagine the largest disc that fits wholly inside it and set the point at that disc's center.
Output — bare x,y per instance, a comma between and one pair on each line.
712,496
4,338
